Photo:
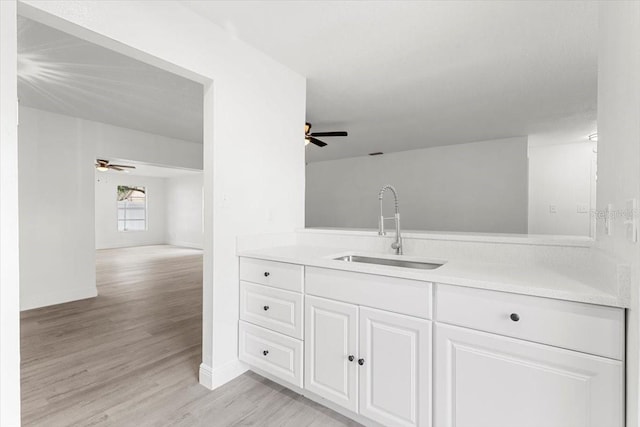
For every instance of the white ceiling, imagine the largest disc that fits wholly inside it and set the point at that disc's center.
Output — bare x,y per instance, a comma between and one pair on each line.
396,75
143,169
61,73
401,75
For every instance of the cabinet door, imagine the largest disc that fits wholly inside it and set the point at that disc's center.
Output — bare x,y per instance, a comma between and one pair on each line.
331,336
395,377
487,380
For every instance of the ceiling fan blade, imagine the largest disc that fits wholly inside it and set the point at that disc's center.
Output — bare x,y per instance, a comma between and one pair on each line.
316,141
115,168
337,133
124,166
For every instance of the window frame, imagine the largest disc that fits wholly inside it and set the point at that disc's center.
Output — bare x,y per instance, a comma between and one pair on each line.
125,220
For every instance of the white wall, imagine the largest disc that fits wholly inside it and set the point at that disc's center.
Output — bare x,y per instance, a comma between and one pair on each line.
57,258
9,259
619,162
479,187
562,176
184,208
106,218
113,142
65,215
251,185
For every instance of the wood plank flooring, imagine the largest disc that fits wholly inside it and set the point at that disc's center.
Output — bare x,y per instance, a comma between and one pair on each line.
130,356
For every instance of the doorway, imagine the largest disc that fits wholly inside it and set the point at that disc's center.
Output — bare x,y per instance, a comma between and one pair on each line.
104,324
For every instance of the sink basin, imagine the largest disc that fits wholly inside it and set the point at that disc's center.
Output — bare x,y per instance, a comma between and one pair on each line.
390,262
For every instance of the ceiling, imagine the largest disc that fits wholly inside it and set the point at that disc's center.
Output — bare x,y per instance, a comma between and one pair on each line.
397,75
63,74
144,169
401,75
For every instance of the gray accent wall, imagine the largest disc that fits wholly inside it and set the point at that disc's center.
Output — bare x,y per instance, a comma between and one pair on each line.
474,187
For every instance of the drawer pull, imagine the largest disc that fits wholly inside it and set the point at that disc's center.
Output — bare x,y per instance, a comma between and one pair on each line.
515,317
265,352
266,274
265,308
360,362
351,358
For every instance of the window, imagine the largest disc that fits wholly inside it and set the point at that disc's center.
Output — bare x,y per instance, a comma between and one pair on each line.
132,208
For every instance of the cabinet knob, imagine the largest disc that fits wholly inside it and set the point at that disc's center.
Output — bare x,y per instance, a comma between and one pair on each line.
265,308
351,358
514,316
360,362
265,352
266,274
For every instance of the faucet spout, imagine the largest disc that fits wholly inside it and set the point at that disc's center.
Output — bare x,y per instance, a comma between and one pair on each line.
397,245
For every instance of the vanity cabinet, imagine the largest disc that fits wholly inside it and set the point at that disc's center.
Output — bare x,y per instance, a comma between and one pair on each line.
395,379
488,380
390,351
525,361
331,351
270,330
369,361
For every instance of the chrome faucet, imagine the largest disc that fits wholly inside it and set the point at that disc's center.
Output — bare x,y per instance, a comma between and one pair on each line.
397,245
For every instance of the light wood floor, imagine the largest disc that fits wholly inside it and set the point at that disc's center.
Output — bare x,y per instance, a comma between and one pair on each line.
130,356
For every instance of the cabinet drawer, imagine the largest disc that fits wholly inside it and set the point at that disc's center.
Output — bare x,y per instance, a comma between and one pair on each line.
274,353
405,296
271,273
272,308
587,328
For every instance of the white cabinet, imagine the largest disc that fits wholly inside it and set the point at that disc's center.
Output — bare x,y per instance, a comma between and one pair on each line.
270,273
487,380
407,353
587,328
271,308
369,361
395,377
331,348
277,354
270,325
405,296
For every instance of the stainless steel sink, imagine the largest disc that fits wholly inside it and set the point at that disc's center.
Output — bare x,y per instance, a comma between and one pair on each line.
390,262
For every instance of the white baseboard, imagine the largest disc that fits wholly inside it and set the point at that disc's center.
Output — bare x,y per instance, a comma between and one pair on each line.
119,245
185,244
214,378
59,297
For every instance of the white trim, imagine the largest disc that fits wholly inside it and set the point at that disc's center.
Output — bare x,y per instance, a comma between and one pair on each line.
67,295
214,378
205,377
189,245
9,243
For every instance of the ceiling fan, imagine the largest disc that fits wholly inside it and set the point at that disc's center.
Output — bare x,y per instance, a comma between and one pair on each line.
311,137
104,165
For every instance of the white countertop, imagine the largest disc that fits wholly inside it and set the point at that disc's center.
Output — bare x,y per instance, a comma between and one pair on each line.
521,279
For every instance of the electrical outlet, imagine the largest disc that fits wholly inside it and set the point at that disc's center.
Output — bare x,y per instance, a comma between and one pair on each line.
582,209
553,209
